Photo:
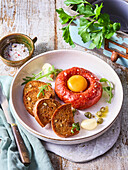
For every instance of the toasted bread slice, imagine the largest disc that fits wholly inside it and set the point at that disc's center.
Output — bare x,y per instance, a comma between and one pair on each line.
44,109
62,121
35,85
30,98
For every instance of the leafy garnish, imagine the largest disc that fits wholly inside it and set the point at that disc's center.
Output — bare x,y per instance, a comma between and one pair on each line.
43,89
38,76
107,89
94,25
64,18
66,35
75,126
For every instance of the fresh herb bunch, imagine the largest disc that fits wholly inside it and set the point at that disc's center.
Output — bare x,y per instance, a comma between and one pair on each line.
75,126
38,76
94,26
43,88
108,89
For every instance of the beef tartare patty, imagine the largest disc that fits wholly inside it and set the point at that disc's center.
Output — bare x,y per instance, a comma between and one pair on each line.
79,100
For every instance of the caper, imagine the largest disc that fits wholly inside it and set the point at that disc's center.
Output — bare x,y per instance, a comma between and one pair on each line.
100,121
102,109
99,113
88,115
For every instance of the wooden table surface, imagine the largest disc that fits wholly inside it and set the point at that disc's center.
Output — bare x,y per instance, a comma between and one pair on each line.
39,18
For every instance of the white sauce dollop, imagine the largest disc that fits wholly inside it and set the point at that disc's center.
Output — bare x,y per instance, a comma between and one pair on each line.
89,124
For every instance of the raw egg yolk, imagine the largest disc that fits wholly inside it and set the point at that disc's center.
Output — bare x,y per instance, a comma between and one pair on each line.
77,83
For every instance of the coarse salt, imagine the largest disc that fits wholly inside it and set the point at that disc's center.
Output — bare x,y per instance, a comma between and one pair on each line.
15,52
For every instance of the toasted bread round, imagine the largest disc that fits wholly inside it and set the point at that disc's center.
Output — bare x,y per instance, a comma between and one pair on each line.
35,85
44,109
30,98
62,121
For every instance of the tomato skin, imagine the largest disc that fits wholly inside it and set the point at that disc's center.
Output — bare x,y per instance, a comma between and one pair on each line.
79,100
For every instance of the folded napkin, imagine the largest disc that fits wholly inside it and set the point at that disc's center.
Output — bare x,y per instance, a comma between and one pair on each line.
9,155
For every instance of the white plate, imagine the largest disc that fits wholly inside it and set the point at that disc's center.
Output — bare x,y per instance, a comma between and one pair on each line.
64,59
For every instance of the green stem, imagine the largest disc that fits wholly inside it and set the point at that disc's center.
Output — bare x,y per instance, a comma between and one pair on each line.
38,73
45,75
89,4
73,18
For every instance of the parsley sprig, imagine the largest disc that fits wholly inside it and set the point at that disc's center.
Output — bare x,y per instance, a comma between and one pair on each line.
94,25
43,88
108,89
75,126
39,75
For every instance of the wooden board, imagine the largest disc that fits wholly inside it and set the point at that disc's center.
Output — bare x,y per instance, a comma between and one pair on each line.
38,18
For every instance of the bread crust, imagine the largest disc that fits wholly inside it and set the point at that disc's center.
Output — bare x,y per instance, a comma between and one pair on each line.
62,121
35,85
31,91
31,98
44,109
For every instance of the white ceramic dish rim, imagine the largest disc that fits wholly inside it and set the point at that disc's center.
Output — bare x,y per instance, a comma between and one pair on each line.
63,139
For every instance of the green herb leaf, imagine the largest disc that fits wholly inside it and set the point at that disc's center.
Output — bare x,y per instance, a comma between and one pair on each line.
84,33
97,10
72,130
43,89
28,78
116,26
72,2
109,35
104,19
39,76
94,25
83,30
83,21
97,38
107,89
87,10
75,126
92,46
64,18
66,35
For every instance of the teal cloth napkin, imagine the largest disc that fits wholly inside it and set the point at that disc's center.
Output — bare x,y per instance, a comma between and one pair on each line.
9,155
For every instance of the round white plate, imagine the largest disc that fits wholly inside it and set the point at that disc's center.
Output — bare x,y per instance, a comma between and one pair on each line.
64,59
